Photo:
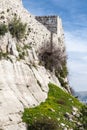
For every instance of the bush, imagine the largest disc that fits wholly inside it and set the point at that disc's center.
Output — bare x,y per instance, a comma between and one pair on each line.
63,71
43,123
17,28
83,116
53,57
82,119
62,82
3,29
2,54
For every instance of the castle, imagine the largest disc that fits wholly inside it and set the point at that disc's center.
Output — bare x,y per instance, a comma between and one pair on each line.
52,23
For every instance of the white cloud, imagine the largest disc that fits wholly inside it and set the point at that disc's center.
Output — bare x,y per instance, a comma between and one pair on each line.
75,43
84,58
78,75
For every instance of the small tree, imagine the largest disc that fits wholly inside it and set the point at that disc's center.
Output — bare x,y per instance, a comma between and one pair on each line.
17,28
52,57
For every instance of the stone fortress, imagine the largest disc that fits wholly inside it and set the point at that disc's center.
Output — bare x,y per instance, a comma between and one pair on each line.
52,23
19,86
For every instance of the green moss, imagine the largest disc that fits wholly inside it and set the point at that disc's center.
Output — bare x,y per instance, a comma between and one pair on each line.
55,107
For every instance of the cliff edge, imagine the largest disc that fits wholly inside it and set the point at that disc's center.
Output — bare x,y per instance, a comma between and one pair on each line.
24,77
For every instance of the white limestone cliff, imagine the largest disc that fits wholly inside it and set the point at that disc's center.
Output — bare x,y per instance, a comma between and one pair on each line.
23,83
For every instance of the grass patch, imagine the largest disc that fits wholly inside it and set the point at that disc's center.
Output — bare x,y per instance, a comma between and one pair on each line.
55,107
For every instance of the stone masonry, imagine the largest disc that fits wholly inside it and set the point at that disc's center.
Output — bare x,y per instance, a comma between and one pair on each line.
52,23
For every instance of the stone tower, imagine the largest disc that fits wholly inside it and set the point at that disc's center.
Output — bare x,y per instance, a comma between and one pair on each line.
52,23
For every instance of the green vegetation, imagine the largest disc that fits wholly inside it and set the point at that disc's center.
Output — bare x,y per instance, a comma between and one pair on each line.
64,71
61,74
43,123
51,56
23,51
26,47
17,28
3,29
83,118
3,55
55,107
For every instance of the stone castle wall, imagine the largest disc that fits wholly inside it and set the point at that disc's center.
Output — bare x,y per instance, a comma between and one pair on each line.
50,22
54,25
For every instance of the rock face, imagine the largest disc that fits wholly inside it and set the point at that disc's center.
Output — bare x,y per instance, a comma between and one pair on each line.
23,82
21,85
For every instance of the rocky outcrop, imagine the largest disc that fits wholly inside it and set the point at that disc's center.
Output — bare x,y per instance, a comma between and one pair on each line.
23,82
21,85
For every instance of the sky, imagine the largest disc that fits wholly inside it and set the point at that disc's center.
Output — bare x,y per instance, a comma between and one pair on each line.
74,17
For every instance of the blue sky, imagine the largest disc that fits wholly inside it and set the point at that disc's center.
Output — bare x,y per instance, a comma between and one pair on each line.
74,18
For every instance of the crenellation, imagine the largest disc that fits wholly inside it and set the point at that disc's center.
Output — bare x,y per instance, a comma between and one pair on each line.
54,25
50,22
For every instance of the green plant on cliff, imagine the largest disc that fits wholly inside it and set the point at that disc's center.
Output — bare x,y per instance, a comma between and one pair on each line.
17,28
52,56
83,118
23,51
3,55
52,110
64,71
3,29
43,123
61,74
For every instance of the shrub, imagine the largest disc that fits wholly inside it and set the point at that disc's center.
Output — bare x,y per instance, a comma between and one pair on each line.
43,123
17,28
53,57
26,47
83,116
21,55
63,71
82,119
61,101
3,29
62,82
4,55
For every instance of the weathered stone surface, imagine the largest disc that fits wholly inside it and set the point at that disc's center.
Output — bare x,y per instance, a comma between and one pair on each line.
23,83
19,88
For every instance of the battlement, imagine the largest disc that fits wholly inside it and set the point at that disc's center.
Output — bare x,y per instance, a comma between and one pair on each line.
52,23
49,21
